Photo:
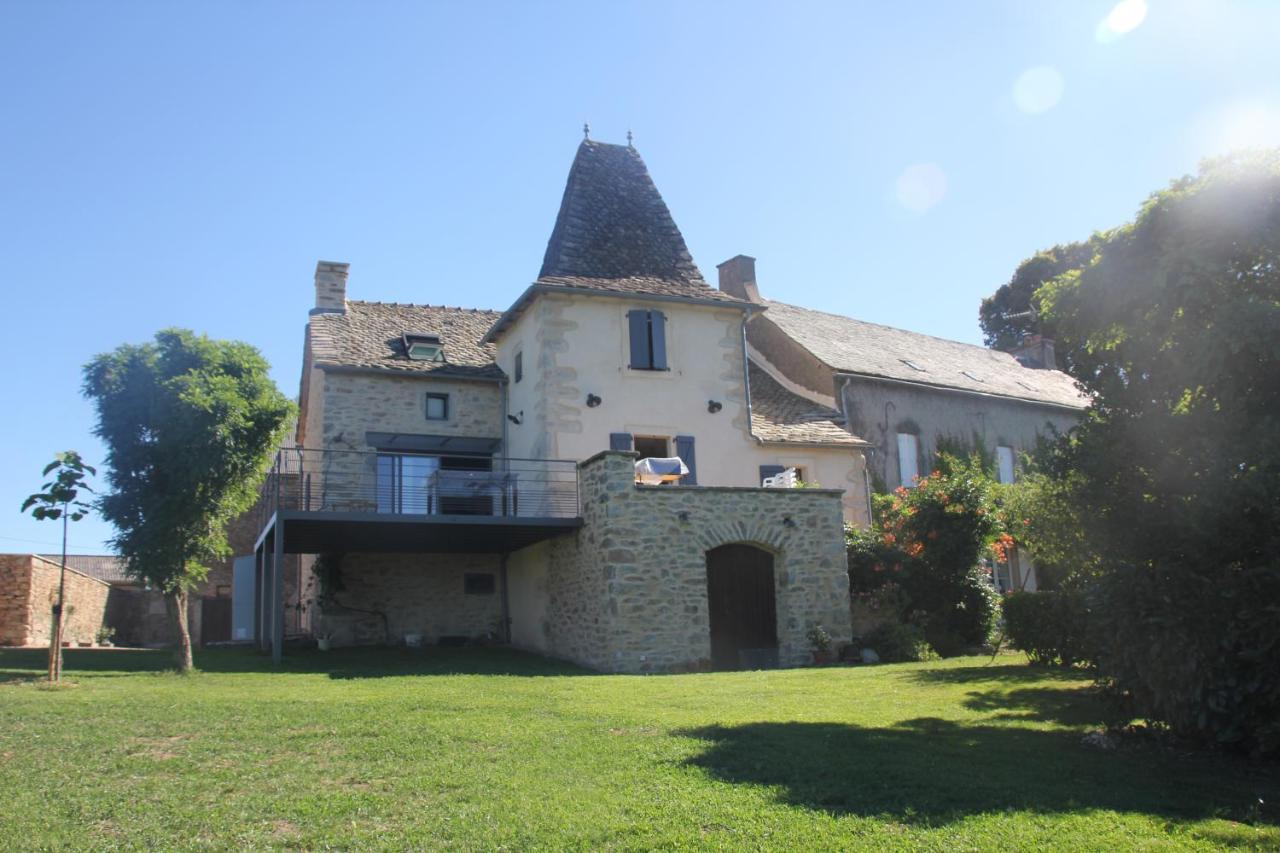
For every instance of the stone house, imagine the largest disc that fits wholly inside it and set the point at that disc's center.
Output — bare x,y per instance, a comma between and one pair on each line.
910,395
28,591
462,474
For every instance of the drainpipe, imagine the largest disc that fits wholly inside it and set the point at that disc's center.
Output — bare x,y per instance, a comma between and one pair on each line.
746,370
506,451
866,473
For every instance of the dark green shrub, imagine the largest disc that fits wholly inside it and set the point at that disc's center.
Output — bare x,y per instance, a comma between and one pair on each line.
1197,650
1051,626
899,642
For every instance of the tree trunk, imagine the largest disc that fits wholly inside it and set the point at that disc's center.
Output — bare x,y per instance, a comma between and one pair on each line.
177,604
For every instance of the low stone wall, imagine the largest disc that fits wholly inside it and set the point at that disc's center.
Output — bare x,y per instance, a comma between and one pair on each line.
28,591
417,593
628,592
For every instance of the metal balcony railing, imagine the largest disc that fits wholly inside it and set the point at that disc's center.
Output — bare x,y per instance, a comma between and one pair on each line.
347,481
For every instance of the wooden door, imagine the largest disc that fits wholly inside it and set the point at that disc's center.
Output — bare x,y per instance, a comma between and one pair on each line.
740,601
215,620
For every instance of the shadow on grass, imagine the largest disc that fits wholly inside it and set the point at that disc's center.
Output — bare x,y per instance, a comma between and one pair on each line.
28,664
1005,674
932,771
1080,706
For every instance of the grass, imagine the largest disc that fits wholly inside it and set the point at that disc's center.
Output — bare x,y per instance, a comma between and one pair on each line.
488,748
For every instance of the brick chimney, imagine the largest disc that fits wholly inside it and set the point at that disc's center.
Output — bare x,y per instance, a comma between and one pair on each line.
738,278
1036,351
331,288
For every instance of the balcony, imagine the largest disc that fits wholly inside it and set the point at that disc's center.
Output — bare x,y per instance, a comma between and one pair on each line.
339,500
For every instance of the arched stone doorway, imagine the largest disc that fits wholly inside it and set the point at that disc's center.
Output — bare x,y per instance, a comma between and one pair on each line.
742,606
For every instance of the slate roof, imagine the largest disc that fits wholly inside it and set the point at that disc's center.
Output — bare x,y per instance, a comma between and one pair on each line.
854,346
104,567
370,335
779,416
615,233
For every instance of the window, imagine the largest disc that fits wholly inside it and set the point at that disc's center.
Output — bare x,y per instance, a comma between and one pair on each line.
975,377
909,363
413,484
475,583
1004,462
423,347
519,368
908,458
652,447
437,407
648,330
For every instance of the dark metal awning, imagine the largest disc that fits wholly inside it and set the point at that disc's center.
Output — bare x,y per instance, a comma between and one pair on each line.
318,532
442,444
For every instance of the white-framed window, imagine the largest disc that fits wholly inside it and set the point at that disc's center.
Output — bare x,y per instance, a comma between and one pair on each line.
908,458
1004,464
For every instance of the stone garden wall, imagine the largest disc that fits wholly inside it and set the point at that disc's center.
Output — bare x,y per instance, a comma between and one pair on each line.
628,592
28,591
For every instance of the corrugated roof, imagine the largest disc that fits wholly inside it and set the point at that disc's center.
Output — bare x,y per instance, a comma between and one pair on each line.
371,335
854,346
780,416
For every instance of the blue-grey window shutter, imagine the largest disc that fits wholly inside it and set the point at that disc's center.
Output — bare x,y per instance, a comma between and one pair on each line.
684,449
658,337
619,441
638,328
767,471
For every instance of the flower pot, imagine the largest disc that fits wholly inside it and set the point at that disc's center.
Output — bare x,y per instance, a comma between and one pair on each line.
324,643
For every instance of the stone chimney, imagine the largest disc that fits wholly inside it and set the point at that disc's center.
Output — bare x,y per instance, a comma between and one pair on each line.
738,278
331,288
1036,351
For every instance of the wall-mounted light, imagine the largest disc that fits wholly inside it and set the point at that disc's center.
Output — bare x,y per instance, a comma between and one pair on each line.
714,406
517,419
593,401
788,521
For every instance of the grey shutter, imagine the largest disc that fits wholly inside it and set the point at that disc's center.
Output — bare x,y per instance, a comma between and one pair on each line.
638,327
684,449
767,471
619,441
658,336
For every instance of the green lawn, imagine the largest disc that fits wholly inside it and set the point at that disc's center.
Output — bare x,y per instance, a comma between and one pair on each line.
486,748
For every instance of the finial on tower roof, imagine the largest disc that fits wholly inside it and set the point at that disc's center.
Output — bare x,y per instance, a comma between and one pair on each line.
586,130
629,145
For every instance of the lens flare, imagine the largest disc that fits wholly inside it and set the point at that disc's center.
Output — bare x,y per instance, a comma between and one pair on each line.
921,187
1125,17
1038,89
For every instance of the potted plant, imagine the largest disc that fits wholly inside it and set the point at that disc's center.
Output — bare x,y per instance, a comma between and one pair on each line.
105,635
324,641
820,641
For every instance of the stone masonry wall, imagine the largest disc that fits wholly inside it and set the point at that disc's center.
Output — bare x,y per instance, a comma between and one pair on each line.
628,593
356,403
418,593
30,589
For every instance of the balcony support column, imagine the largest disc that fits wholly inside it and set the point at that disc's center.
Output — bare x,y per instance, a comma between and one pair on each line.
277,593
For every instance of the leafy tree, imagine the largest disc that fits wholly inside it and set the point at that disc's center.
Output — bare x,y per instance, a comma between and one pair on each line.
1014,309
190,426
59,499
1175,331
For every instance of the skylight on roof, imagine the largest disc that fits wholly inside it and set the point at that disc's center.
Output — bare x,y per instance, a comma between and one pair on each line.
1028,387
909,363
973,377
423,347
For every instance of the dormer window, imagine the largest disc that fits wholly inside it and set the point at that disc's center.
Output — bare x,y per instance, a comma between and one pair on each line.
423,347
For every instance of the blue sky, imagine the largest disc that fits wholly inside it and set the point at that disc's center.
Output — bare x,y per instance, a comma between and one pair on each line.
186,164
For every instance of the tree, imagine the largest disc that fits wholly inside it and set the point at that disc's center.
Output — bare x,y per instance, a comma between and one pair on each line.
1174,329
190,425
1014,309
59,500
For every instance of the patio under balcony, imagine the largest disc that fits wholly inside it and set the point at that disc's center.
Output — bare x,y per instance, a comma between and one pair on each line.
456,499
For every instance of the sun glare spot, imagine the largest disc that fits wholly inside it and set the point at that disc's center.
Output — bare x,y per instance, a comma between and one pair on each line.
1038,89
1124,17
921,187
1244,123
